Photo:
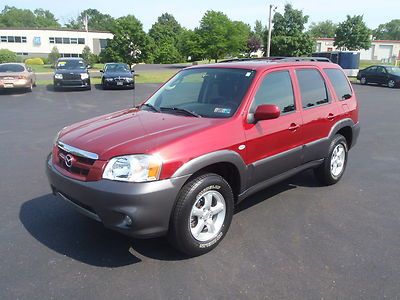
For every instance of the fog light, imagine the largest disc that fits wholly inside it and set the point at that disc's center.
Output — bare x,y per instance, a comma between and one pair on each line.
127,221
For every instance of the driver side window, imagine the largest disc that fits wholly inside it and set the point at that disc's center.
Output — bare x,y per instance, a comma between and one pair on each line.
276,88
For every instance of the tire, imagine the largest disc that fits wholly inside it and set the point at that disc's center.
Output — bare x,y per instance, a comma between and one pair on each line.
334,165
30,88
363,80
391,83
191,220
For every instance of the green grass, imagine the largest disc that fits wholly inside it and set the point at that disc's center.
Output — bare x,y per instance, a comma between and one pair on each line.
366,63
42,68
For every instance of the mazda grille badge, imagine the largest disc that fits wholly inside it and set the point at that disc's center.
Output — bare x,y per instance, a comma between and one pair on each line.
68,160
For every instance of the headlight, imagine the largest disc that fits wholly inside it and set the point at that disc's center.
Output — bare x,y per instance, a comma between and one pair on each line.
84,76
128,79
109,79
58,76
133,168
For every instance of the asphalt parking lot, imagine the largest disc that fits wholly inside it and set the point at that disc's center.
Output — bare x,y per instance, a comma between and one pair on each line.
296,240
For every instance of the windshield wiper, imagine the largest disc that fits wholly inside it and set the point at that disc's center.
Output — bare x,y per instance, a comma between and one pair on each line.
156,109
184,110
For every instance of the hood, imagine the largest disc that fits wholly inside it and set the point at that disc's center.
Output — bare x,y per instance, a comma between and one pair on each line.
67,71
131,131
117,74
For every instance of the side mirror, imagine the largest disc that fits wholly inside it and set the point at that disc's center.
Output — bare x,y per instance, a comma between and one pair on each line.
88,66
266,112
101,71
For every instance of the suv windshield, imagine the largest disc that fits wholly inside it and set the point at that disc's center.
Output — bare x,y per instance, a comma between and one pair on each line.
11,68
393,70
117,68
205,92
71,64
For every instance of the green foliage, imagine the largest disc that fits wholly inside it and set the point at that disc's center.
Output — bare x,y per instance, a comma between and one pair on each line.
388,31
353,34
11,16
7,56
324,29
89,57
288,36
220,37
259,31
189,45
130,43
34,61
165,34
53,56
96,21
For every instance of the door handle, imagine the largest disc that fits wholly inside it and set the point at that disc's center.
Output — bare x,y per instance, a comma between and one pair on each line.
330,116
293,127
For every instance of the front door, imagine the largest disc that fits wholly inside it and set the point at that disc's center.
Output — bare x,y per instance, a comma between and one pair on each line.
274,146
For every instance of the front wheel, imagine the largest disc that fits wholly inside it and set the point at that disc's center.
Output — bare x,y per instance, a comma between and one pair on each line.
202,215
363,80
334,165
391,83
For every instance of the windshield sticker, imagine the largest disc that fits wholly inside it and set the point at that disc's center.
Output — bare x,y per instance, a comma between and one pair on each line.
248,74
222,110
62,63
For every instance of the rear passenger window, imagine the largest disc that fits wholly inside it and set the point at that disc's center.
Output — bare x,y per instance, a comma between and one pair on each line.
277,89
340,83
312,88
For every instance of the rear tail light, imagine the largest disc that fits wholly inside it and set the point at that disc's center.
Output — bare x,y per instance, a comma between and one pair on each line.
22,77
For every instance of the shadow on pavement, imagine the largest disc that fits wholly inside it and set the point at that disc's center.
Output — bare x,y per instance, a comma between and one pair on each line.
59,227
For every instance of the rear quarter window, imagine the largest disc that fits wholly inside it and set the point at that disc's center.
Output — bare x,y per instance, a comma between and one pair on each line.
340,83
312,88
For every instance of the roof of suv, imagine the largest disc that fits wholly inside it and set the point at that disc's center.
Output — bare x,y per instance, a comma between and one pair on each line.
258,65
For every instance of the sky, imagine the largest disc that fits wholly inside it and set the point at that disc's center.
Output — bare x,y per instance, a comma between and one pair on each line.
189,12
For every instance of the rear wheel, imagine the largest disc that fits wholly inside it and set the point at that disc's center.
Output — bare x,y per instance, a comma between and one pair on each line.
363,80
202,215
30,88
334,165
391,83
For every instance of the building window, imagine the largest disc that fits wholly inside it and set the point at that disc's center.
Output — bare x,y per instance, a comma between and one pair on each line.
74,41
4,39
23,39
22,53
58,40
51,40
81,41
13,39
66,41
70,55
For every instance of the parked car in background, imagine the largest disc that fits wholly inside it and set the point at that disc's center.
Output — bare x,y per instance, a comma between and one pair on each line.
382,75
16,76
207,139
117,75
71,73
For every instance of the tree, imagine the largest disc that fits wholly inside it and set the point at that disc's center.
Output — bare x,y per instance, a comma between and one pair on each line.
288,36
324,29
11,16
96,20
220,37
189,45
165,34
53,56
353,34
259,30
45,19
88,56
7,56
130,43
388,31
253,44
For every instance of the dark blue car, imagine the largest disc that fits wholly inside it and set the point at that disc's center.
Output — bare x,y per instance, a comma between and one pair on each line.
117,75
382,75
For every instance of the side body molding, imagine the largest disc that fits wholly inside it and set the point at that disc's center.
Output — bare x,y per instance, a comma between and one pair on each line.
221,156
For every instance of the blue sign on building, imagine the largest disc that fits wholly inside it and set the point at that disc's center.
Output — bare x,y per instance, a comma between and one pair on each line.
37,41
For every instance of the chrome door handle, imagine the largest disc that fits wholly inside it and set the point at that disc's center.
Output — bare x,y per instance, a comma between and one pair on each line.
330,116
293,127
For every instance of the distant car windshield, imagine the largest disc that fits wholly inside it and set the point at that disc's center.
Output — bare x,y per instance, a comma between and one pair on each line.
11,68
205,92
117,68
71,64
393,70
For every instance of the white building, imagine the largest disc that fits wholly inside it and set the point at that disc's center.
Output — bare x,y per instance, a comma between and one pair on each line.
383,50
40,42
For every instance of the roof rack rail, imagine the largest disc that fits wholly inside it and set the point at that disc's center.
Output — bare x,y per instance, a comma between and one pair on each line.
278,58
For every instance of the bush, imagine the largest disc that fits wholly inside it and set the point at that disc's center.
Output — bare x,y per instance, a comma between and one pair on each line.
34,61
7,56
53,56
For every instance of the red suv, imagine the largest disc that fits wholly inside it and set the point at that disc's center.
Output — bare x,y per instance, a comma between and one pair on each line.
207,139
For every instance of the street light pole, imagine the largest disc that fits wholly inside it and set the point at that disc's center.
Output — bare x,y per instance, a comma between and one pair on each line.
269,30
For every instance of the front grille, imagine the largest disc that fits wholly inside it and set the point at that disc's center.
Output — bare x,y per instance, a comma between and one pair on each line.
80,165
68,76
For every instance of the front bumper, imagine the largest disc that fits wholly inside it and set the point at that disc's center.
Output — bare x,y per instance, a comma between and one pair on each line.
79,83
118,84
148,204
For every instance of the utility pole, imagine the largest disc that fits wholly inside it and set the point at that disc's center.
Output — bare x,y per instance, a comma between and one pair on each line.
270,29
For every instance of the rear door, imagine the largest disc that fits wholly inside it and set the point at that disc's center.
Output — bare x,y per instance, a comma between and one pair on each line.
381,75
274,146
319,111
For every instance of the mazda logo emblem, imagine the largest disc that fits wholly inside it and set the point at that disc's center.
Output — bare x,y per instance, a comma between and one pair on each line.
68,160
